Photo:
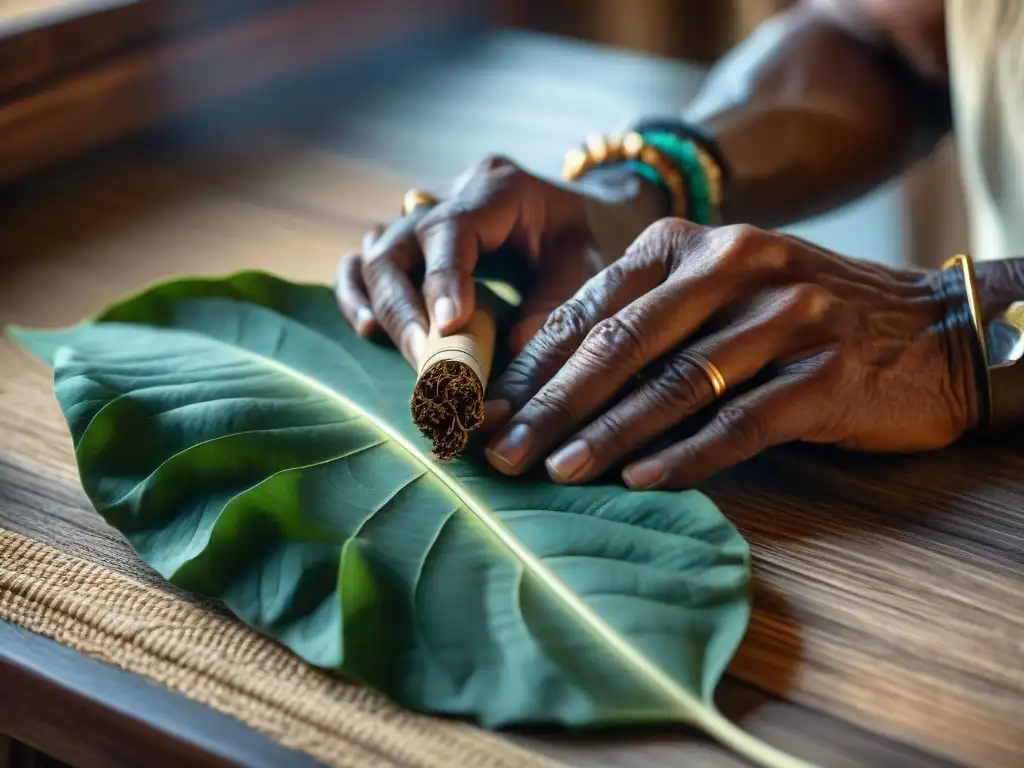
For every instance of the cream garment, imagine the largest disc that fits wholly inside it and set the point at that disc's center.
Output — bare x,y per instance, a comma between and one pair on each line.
986,67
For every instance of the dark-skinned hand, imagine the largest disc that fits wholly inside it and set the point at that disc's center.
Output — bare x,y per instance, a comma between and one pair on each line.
819,348
425,262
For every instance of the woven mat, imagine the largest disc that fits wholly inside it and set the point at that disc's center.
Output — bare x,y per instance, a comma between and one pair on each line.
213,659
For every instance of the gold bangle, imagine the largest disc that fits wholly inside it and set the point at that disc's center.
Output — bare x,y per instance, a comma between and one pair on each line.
599,150
714,176
965,264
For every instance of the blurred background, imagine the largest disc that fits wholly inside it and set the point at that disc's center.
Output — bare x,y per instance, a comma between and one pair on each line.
420,89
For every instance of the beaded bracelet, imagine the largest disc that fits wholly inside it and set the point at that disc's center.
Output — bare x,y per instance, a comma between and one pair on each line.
702,175
690,176
684,130
631,148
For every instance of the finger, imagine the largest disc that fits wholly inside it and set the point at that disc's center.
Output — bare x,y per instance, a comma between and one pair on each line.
620,346
560,274
554,344
350,293
451,251
782,411
398,307
565,328
494,201
787,326
350,290
370,238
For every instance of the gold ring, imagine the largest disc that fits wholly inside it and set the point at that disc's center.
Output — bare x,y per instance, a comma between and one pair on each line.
414,198
709,369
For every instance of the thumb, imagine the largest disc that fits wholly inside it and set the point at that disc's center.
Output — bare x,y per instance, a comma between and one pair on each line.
497,205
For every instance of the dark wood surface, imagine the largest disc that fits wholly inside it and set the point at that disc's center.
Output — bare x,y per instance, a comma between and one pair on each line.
42,40
103,71
889,605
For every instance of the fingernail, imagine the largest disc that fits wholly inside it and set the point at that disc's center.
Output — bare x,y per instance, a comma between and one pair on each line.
363,319
495,411
644,474
444,312
568,463
510,450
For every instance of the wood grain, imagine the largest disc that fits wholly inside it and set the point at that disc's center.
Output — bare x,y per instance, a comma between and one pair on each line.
198,217
41,40
889,603
166,79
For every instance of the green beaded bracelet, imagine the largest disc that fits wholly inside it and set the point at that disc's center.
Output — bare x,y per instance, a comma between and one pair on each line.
684,154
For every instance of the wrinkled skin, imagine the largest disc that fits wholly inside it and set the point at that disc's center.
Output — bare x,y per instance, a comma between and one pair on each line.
544,228
814,346
837,351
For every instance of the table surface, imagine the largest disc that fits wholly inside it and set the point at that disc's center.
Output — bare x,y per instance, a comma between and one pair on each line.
888,627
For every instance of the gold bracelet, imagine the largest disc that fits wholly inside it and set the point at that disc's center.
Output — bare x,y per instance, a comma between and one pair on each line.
714,176
965,264
599,150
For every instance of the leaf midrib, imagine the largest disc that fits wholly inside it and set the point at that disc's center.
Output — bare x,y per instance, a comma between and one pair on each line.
687,705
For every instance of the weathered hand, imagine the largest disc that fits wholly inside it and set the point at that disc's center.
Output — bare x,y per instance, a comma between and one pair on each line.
822,348
561,235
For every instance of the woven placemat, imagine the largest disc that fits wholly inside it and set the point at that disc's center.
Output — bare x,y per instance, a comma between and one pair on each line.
213,659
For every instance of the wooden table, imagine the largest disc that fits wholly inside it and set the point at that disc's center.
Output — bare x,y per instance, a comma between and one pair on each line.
889,608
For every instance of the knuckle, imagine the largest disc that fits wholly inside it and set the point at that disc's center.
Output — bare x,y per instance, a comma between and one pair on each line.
808,303
386,309
445,213
744,426
566,324
659,242
747,247
450,224
391,307
616,341
496,162
742,235
666,229
491,170
614,431
553,406
376,259
677,387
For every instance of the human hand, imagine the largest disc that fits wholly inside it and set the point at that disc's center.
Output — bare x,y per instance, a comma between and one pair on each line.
825,349
425,261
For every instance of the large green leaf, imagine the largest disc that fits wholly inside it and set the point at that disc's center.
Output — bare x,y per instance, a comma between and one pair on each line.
252,448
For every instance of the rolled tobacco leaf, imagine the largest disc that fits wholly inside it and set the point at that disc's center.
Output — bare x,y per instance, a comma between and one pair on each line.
448,399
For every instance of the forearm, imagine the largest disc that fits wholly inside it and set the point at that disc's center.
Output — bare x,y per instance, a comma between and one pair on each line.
809,116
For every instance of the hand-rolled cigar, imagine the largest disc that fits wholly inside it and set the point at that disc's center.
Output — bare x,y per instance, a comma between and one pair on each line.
448,399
